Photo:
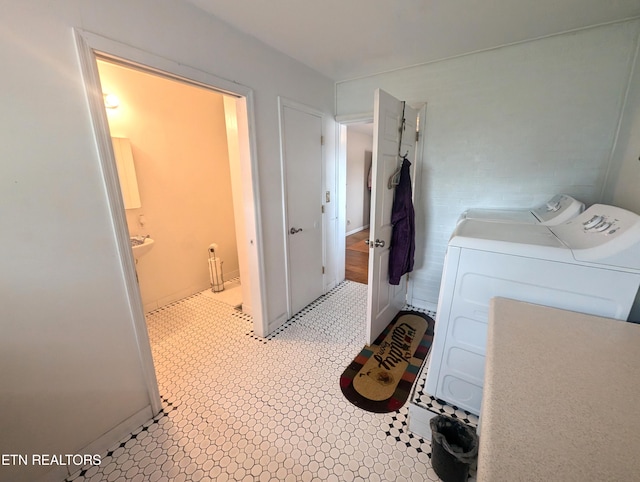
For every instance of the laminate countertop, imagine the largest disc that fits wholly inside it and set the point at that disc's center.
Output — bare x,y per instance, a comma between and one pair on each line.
561,399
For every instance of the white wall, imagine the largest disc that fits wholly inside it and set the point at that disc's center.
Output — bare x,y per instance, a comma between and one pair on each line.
71,369
623,188
359,147
508,127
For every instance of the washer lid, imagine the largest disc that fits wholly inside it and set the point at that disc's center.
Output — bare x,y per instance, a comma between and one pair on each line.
559,209
531,240
500,215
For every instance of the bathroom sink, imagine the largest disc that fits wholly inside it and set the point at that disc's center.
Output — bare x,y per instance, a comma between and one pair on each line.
141,245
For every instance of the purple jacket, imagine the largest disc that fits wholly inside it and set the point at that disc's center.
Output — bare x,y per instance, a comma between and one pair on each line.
403,244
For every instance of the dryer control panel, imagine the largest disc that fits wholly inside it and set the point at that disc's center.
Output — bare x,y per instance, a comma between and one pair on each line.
602,233
558,209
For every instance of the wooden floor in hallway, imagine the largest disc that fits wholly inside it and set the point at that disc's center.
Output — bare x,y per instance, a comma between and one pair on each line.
357,257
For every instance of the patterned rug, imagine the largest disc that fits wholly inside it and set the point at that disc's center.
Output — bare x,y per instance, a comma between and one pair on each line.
380,378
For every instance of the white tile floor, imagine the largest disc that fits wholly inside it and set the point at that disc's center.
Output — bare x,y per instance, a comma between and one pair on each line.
231,294
239,407
420,398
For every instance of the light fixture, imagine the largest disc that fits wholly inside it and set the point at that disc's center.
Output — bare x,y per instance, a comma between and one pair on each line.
111,101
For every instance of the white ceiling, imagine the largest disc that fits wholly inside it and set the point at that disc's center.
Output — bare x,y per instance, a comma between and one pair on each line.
344,39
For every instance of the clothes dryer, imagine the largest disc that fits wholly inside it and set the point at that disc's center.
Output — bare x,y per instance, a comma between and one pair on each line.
557,210
590,264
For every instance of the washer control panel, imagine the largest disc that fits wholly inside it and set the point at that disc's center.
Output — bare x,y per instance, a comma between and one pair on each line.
602,232
600,223
558,209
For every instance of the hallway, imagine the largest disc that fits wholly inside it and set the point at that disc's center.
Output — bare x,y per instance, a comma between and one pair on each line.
357,257
239,407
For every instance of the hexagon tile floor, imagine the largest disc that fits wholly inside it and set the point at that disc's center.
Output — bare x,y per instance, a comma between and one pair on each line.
240,407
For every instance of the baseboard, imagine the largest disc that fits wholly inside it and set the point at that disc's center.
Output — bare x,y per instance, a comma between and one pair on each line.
422,304
57,474
277,323
330,285
106,441
231,275
357,230
246,308
419,421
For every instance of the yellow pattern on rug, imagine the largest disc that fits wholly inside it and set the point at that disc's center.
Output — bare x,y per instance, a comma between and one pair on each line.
378,378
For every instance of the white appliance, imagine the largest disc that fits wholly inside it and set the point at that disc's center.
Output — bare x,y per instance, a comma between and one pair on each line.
590,264
557,210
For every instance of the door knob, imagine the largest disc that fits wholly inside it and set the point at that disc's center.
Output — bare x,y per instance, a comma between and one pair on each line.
379,244
294,230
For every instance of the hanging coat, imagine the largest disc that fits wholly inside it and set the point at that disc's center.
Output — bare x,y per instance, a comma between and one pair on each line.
403,245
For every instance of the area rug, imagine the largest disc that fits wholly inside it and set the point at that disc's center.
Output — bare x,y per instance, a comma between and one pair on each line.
380,378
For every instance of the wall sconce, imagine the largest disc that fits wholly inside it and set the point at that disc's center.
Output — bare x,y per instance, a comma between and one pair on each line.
111,101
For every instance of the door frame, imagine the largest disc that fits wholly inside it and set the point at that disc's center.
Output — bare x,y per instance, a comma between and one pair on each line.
342,121
90,46
282,103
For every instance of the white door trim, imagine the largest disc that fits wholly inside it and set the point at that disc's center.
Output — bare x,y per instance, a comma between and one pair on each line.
89,46
416,182
342,122
282,103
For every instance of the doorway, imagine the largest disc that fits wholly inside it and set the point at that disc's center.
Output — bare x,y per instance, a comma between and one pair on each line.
239,106
356,263
359,154
397,136
181,170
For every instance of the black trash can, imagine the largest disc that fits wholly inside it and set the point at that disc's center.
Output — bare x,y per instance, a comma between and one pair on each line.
454,448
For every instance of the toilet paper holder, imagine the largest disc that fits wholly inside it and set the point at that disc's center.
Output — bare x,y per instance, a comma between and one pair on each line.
216,276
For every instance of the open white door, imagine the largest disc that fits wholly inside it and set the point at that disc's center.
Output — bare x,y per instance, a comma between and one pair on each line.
385,300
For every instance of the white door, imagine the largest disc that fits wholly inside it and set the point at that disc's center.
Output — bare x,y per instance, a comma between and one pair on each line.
302,158
385,300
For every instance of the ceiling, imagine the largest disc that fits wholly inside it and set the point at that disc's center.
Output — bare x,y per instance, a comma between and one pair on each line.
344,39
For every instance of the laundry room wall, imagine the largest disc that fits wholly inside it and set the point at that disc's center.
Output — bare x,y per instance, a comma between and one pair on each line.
179,142
74,369
507,128
359,147
624,178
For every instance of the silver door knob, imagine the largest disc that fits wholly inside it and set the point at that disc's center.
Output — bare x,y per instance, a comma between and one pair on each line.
379,244
367,242
294,230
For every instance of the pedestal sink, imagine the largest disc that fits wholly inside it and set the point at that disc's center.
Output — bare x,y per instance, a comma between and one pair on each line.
141,245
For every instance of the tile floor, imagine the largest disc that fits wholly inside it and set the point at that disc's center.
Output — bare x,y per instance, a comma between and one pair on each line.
230,295
240,407
420,398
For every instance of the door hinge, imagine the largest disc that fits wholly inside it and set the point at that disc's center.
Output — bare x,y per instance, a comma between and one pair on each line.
322,208
417,136
322,140
323,270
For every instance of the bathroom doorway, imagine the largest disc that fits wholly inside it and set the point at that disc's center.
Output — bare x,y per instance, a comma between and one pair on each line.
238,105
181,166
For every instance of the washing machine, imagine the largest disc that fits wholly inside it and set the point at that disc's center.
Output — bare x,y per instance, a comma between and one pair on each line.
590,264
557,210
